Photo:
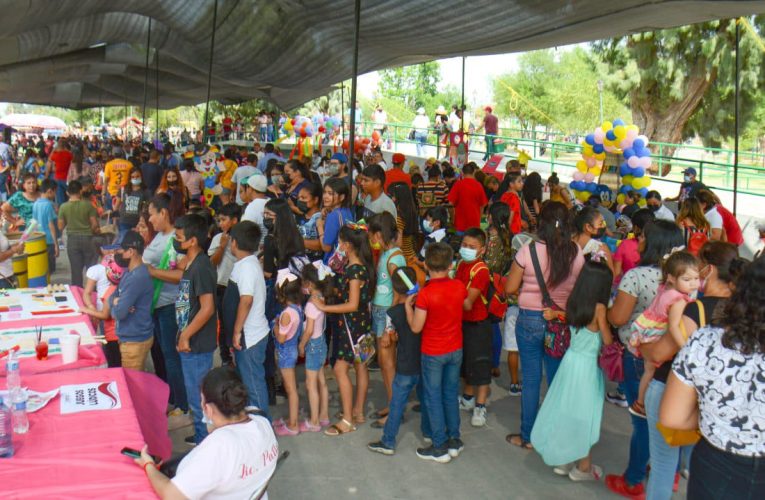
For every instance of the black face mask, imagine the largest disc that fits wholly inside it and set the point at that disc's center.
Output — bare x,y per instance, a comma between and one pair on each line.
121,260
286,179
85,194
601,232
653,208
269,224
177,247
302,206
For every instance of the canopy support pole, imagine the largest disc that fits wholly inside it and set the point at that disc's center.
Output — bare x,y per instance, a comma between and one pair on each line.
735,114
462,101
342,109
351,140
156,84
209,72
145,81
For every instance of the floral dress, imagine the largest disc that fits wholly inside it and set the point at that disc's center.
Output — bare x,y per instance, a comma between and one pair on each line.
359,321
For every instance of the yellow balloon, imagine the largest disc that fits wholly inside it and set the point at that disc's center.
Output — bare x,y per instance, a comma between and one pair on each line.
627,180
633,127
642,202
581,165
621,132
606,126
584,195
641,182
596,170
620,198
600,156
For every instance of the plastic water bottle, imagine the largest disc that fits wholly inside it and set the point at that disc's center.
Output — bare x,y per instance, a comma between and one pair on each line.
6,431
20,419
13,375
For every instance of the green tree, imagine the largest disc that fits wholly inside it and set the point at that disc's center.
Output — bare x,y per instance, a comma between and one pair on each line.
680,81
410,84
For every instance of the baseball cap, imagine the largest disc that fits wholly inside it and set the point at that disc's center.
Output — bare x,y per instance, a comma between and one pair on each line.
258,182
690,171
431,161
132,240
339,157
398,158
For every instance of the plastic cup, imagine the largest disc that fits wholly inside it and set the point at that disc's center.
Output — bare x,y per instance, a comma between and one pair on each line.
69,348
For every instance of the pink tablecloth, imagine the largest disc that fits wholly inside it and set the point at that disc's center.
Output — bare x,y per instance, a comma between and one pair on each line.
78,455
54,320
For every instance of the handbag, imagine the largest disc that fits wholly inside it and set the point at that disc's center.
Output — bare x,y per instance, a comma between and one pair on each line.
557,332
364,348
410,135
610,361
337,261
683,437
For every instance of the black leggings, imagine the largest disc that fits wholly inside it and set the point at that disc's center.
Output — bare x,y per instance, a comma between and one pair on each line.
718,475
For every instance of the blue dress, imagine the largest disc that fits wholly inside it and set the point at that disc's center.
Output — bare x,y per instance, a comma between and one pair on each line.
568,424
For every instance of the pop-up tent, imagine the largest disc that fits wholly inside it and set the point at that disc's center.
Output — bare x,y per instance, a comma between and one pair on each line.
32,122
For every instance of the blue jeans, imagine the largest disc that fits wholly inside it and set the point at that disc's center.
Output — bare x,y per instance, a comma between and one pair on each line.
530,334
420,138
440,382
195,367
165,332
496,344
664,458
639,454
250,363
402,387
61,196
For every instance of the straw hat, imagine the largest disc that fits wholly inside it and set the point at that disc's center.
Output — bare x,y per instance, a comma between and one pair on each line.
441,110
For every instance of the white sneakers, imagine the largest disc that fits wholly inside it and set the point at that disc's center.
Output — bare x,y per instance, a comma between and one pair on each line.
479,416
594,474
467,404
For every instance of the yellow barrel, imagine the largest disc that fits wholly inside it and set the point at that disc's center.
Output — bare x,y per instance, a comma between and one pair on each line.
20,270
37,260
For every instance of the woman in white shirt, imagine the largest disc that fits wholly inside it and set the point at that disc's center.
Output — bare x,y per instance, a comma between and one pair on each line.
7,252
236,460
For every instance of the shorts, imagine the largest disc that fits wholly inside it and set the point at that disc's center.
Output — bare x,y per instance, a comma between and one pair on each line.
315,354
379,319
509,343
476,352
288,355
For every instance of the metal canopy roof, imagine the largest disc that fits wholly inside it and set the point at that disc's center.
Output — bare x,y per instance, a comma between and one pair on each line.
85,53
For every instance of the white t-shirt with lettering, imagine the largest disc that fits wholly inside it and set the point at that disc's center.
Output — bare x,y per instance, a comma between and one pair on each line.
233,462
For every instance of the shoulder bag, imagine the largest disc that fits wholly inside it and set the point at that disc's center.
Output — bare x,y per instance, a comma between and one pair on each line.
557,332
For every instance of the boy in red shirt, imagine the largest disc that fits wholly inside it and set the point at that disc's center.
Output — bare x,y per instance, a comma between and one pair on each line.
476,328
513,199
437,313
468,197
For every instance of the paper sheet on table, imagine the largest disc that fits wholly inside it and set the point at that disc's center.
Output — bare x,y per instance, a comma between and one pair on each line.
35,400
93,396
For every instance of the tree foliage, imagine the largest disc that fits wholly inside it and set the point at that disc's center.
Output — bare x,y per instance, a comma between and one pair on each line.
410,84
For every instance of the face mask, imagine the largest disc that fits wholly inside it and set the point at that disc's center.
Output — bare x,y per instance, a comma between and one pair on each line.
600,233
468,254
135,182
427,226
121,260
178,248
302,206
205,419
687,178
286,179
269,224
172,183
333,169
86,194
653,208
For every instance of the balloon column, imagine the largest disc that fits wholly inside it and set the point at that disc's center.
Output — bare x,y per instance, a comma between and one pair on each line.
613,137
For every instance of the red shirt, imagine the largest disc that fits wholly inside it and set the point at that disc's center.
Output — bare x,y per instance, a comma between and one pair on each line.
480,281
62,159
730,226
468,197
491,124
442,298
396,175
514,202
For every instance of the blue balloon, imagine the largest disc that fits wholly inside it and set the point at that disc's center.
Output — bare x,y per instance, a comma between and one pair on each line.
638,144
625,189
598,148
644,152
591,187
638,172
618,122
611,135
624,169
628,153
643,192
577,185
590,139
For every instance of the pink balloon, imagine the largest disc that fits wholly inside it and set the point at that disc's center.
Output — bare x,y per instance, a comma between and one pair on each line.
645,140
631,136
633,161
599,136
588,177
626,143
644,162
590,161
610,149
578,176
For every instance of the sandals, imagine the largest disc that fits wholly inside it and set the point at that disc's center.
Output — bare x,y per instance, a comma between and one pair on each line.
358,418
519,442
379,414
336,430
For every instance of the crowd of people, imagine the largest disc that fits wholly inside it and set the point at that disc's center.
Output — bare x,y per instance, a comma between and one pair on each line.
427,272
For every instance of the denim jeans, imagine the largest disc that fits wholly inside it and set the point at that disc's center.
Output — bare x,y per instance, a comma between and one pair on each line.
61,195
81,253
664,458
440,382
402,387
166,331
420,138
530,334
639,453
195,367
250,363
716,474
496,344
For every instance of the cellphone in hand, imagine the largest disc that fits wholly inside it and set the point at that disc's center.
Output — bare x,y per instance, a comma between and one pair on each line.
132,453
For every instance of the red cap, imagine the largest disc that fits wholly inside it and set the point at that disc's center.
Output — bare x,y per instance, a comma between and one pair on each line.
488,108
398,158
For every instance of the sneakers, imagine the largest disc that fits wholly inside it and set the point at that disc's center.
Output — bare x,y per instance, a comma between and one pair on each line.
594,474
177,412
637,409
618,485
428,441
379,447
563,470
479,416
190,440
617,398
307,426
283,430
467,404
515,390
437,455
454,447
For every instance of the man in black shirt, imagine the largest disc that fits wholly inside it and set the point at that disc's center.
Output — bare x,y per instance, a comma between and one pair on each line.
689,188
152,172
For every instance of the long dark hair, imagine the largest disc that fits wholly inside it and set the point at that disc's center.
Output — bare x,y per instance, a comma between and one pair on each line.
224,388
340,187
661,236
532,189
402,197
359,239
287,239
724,256
500,220
555,231
744,316
586,215
592,287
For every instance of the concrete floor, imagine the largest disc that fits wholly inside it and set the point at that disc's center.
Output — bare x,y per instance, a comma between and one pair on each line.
322,467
